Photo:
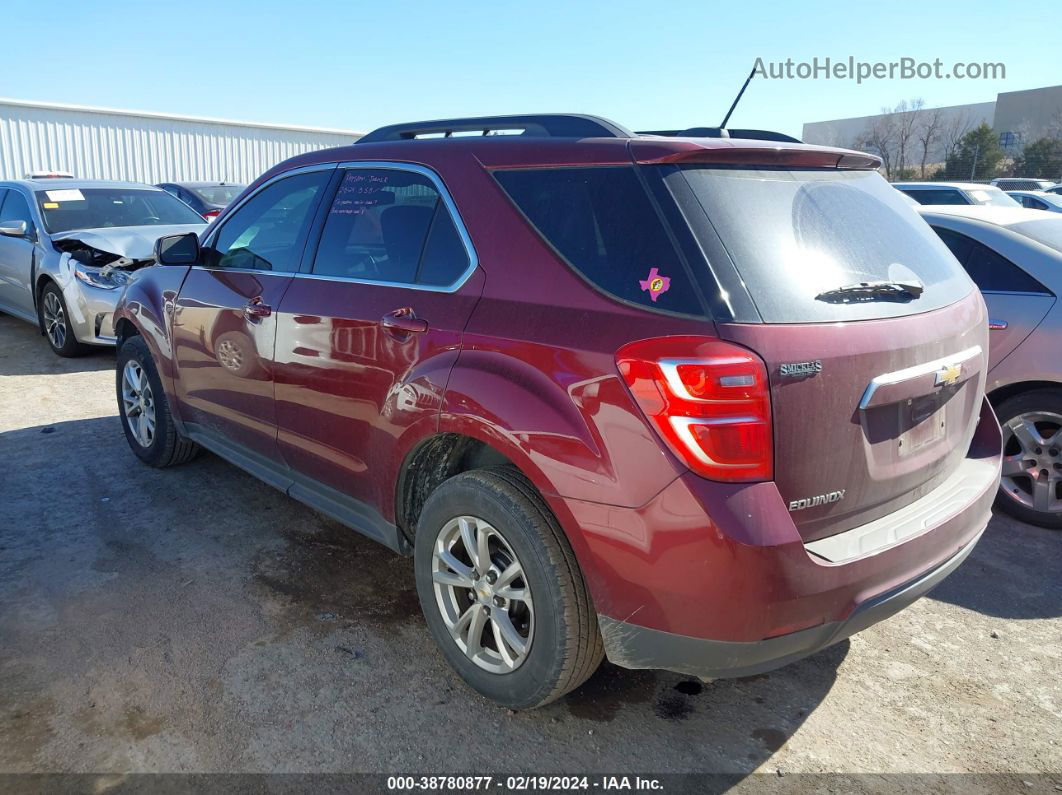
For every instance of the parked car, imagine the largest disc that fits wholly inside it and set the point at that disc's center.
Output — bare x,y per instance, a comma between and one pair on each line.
1020,183
955,193
1037,200
206,198
707,405
67,247
1054,189
1015,257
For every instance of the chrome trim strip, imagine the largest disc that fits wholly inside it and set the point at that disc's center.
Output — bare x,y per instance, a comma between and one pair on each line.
669,367
436,180
916,371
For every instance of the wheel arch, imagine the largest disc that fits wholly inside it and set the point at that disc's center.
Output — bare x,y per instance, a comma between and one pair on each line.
432,461
42,280
1007,391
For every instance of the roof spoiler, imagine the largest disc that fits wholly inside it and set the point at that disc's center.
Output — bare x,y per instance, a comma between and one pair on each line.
546,125
722,132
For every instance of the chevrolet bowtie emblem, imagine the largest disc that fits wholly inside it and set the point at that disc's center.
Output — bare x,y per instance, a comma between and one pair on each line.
948,375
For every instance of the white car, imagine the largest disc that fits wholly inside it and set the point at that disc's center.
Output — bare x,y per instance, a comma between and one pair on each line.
1037,200
68,246
1021,183
936,193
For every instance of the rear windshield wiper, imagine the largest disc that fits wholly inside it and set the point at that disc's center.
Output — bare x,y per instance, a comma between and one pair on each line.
873,291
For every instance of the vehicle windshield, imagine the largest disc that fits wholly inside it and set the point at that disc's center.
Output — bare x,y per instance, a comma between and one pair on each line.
798,236
990,195
1043,230
66,209
217,194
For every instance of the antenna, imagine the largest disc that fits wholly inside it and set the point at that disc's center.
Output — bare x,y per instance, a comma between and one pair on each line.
737,99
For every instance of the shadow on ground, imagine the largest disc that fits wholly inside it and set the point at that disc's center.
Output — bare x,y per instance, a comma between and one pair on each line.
199,619
1012,573
26,352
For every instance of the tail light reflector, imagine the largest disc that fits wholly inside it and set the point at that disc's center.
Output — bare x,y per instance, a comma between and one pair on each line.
210,215
709,400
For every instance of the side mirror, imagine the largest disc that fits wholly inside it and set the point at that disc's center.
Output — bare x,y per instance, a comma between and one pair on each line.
14,228
177,249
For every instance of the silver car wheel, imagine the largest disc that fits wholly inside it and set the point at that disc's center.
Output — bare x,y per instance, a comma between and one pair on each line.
138,403
54,320
482,594
229,356
1032,460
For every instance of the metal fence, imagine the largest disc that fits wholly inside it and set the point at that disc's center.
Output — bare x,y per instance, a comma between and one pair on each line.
95,143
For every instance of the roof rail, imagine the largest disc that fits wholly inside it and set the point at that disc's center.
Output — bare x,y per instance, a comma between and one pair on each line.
720,132
545,125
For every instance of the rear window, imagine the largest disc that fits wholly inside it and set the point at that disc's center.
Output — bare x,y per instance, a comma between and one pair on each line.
992,196
935,196
603,223
217,194
795,234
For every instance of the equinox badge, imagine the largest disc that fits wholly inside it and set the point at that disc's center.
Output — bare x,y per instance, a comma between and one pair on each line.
818,499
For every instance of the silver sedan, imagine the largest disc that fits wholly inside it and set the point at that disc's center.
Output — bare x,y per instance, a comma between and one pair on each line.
1015,257
67,247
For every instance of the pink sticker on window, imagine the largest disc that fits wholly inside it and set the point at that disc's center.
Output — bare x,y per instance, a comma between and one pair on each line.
655,284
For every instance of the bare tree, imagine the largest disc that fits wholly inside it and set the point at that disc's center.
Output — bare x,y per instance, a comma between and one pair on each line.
928,132
952,131
1054,126
906,116
879,137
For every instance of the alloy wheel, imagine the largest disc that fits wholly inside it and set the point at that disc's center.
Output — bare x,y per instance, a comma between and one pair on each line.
482,594
138,402
54,320
230,356
1032,460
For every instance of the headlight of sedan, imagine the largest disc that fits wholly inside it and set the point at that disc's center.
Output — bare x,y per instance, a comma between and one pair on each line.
96,277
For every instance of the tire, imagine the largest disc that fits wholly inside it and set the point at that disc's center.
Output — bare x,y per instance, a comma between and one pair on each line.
160,445
55,321
564,646
1032,422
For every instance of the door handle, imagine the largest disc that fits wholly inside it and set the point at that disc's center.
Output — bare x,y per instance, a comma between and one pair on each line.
997,325
404,320
255,309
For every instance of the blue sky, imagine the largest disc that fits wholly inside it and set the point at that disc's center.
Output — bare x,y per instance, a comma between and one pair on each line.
357,65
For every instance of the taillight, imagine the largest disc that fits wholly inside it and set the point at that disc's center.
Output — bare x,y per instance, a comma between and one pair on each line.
708,399
210,215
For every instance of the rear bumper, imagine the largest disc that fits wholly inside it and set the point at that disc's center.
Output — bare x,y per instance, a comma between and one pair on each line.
715,579
632,646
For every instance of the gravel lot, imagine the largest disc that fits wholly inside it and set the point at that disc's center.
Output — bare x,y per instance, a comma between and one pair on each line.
197,620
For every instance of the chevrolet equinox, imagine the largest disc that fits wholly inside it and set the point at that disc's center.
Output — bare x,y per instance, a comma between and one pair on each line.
699,401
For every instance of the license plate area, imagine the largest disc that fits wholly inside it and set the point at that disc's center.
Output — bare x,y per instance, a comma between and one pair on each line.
922,423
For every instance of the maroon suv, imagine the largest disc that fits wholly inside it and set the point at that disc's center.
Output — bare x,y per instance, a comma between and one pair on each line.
705,404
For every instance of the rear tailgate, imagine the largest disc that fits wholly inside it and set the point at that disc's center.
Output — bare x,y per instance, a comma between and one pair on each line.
875,339
887,418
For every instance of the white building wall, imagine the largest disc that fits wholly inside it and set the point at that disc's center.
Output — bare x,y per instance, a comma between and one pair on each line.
100,143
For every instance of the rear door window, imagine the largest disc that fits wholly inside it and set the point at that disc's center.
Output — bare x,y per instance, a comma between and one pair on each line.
990,270
390,225
603,224
796,237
